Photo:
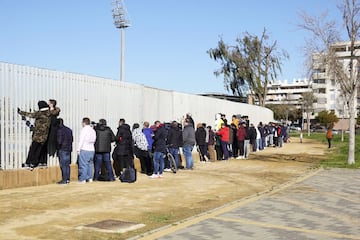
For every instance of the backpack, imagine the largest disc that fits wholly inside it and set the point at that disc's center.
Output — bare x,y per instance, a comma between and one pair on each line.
128,175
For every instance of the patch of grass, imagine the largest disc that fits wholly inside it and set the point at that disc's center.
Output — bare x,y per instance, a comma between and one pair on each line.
161,217
338,153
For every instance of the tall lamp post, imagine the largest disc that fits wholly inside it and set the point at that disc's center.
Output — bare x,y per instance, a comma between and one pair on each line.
121,22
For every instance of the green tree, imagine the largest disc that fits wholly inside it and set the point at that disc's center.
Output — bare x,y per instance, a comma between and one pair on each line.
327,118
248,66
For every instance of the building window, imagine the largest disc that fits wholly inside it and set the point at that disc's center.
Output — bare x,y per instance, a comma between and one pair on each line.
322,90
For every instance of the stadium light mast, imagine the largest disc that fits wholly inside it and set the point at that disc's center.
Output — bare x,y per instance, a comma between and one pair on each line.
120,21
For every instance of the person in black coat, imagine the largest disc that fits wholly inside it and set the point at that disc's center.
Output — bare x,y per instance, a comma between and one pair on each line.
104,138
174,141
200,137
252,137
123,153
159,146
64,147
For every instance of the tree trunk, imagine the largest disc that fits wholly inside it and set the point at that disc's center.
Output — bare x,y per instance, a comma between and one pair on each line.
308,122
351,154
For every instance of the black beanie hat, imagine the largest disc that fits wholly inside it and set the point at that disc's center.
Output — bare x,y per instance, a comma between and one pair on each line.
42,104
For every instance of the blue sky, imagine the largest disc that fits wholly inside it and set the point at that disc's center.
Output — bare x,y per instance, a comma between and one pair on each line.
165,46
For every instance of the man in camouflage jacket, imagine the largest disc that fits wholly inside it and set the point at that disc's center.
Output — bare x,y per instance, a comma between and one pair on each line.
40,133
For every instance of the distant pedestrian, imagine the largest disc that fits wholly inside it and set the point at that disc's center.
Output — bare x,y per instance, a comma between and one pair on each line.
329,136
64,146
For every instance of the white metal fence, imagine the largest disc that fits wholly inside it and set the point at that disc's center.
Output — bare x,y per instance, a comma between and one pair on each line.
81,96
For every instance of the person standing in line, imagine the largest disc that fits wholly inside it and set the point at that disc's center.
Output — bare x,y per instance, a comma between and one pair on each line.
64,146
174,141
241,136
86,151
329,136
148,132
123,153
140,147
40,134
200,137
252,136
224,137
159,150
104,137
211,142
188,144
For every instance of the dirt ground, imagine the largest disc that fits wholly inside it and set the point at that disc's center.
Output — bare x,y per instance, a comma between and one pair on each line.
58,211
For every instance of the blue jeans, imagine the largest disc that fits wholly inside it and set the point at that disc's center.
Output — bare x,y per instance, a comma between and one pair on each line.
65,161
99,159
175,153
224,146
187,150
158,162
86,163
246,148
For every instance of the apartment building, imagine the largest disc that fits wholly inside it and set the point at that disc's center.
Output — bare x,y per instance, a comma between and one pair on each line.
282,92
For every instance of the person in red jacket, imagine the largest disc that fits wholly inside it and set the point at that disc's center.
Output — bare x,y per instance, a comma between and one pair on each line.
241,135
224,137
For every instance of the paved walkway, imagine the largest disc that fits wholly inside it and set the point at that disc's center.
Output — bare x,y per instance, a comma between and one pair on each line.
322,205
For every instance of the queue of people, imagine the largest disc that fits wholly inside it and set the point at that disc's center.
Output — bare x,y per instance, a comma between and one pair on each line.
149,144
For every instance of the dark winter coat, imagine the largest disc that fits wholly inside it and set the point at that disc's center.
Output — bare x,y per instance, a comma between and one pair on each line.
64,138
52,137
252,134
174,138
104,138
159,144
124,141
211,137
200,136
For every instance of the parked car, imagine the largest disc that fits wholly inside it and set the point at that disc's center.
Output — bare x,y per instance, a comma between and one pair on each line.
294,128
319,129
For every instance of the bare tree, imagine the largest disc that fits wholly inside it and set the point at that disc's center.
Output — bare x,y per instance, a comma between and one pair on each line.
344,70
307,101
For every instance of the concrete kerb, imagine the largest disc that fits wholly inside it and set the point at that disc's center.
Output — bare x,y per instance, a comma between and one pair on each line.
165,230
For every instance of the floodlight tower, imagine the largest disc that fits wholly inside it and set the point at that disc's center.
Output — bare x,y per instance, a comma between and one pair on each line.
120,21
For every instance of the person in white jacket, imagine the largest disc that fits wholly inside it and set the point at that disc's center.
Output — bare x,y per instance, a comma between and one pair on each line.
86,151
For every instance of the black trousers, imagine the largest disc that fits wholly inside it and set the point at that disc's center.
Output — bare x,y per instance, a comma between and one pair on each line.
241,147
35,153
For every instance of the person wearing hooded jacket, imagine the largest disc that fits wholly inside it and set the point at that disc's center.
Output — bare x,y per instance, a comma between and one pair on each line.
104,137
123,152
40,133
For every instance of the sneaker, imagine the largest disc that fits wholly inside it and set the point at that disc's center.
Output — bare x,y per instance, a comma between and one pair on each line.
89,180
154,176
167,170
24,165
82,182
63,182
160,176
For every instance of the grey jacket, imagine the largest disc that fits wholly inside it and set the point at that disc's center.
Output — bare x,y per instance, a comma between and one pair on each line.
188,135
